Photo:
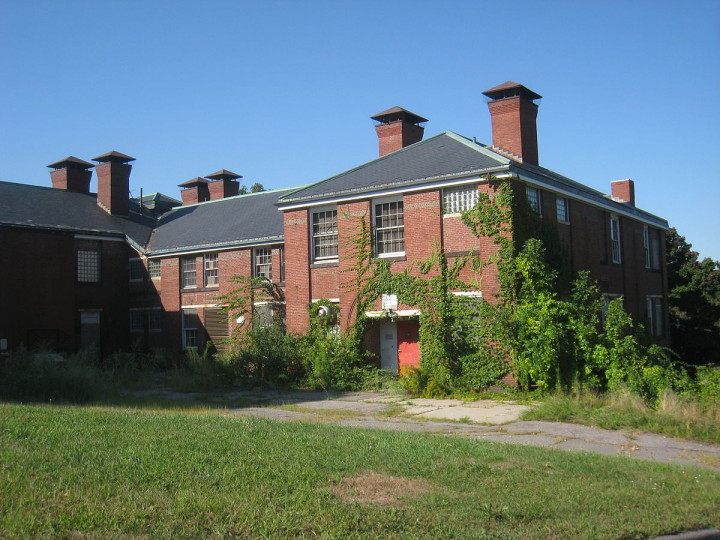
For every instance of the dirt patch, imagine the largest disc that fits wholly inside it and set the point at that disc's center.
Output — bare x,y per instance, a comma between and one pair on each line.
374,488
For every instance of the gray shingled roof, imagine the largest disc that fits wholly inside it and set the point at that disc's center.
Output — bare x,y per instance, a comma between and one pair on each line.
243,219
38,207
442,156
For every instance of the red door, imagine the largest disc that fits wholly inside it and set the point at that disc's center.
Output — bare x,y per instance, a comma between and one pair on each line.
408,346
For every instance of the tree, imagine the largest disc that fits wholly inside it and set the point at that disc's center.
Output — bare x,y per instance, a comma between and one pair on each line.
694,302
257,187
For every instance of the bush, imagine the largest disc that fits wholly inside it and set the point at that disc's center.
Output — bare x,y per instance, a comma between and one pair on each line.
481,369
48,377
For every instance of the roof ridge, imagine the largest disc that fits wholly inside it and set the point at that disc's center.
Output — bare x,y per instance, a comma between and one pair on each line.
239,196
367,163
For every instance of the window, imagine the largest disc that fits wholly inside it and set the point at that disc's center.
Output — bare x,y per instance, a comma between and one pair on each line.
187,268
281,253
655,316
460,199
137,320
190,328
155,320
262,266
563,215
324,235
646,246
137,270
88,261
154,268
262,315
615,240
211,269
655,250
533,198
389,228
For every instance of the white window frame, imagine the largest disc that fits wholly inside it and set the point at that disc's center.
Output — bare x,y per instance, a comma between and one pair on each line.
190,331
381,231
211,270
565,218
188,267
534,199
655,250
262,262
89,261
154,268
323,239
615,239
646,246
459,199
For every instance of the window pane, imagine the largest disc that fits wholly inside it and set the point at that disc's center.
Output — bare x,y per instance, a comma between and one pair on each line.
533,197
562,209
88,262
211,267
137,270
324,234
460,199
263,263
154,268
188,272
389,228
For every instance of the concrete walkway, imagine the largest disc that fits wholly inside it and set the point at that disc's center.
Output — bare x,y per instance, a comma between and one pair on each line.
487,420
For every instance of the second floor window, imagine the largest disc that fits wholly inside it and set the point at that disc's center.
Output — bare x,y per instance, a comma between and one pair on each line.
562,210
187,269
154,268
211,267
262,263
615,240
137,270
460,199
324,235
88,262
533,198
389,228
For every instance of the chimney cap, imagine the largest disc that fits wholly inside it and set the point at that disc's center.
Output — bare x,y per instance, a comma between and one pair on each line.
511,89
223,174
114,156
194,182
71,162
398,113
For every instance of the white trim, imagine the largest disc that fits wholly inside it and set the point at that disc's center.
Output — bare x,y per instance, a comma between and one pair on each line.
333,300
170,254
393,192
104,238
576,197
395,314
196,306
471,294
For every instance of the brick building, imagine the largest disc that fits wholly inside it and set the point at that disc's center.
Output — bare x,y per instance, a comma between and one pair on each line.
114,271
411,198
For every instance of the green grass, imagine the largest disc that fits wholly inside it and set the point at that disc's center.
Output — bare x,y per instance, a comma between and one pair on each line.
123,472
674,416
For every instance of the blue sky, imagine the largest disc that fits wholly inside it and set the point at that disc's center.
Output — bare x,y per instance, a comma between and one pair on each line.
282,92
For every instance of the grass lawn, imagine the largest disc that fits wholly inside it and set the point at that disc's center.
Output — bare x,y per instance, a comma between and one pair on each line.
92,472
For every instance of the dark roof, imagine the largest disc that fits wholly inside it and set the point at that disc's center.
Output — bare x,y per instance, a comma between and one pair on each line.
222,174
45,208
510,88
243,219
71,161
396,113
194,181
442,156
113,156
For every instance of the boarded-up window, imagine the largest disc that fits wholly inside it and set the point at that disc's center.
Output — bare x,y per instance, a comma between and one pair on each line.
216,325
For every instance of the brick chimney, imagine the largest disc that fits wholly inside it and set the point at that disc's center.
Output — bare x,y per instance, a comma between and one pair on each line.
397,128
223,184
623,191
71,174
113,174
514,120
194,191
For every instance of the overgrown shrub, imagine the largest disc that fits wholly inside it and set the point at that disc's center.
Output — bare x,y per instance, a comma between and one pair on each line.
481,369
47,377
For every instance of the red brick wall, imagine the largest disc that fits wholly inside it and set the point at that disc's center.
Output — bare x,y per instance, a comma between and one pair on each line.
514,127
113,186
297,269
396,135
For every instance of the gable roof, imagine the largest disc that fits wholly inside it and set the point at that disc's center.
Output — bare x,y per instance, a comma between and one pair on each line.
241,220
36,207
443,156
